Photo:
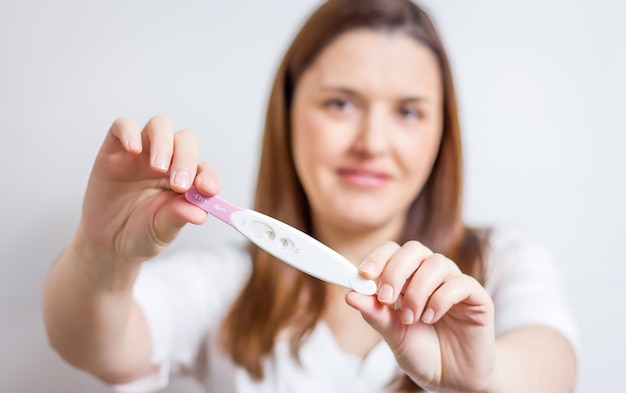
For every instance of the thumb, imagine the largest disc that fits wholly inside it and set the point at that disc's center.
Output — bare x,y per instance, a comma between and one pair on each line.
173,215
380,316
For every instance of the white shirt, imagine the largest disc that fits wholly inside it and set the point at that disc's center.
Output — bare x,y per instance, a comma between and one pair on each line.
185,297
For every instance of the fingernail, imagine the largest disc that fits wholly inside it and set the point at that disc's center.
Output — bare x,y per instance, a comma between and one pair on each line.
182,179
208,182
385,293
368,267
134,144
408,316
162,161
428,315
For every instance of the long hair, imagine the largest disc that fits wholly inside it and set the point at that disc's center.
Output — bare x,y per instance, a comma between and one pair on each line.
277,296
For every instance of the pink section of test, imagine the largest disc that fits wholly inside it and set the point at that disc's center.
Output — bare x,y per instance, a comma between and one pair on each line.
213,205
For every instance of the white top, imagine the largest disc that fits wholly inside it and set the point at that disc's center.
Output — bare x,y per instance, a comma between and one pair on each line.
185,296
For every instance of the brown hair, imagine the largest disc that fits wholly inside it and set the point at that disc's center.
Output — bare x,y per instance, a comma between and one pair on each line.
277,296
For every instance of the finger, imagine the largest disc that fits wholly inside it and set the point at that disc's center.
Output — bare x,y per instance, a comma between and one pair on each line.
207,179
399,269
375,262
184,161
172,216
434,271
380,316
460,289
126,133
159,133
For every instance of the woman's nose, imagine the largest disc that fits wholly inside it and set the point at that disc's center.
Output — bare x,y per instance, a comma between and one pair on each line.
373,135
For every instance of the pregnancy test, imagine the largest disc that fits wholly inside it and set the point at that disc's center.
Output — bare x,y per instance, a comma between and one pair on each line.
285,242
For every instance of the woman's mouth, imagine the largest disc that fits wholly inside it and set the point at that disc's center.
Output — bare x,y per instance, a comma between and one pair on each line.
363,177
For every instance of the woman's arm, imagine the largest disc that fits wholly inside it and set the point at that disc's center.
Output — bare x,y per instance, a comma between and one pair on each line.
132,209
92,320
439,323
534,358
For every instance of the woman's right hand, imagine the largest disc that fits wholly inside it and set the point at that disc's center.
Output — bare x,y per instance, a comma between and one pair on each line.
133,206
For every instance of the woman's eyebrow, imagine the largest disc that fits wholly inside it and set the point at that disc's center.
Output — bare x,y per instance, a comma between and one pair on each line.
411,98
417,99
339,89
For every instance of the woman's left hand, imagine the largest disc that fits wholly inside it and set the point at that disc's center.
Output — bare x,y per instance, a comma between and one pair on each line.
438,321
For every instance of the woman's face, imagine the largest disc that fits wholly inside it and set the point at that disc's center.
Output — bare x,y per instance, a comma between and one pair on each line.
367,123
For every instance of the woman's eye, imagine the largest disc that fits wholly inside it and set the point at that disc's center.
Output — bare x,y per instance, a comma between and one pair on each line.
410,113
339,104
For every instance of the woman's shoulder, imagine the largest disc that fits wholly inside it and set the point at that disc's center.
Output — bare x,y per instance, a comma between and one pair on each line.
525,281
512,257
512,244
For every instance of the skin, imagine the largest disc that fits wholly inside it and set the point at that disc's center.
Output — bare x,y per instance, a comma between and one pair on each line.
367,121
366,126
366,129
131,210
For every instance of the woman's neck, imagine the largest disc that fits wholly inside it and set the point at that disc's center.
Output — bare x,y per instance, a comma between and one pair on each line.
356,245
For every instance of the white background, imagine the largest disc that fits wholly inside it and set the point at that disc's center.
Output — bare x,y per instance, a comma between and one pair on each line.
541,87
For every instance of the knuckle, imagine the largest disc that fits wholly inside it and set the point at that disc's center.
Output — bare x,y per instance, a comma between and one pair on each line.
391,244
187,134
412,244
384,251
416,249
159,124
393,274
122,125
121,122
444,262
159,118
412,294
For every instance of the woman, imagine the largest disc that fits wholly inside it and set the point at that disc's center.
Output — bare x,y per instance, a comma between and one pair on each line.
361,150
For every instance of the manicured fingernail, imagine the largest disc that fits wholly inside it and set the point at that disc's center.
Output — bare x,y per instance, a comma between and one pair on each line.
428,315
162,161
368,268
385,293
408,316
182,179
134,144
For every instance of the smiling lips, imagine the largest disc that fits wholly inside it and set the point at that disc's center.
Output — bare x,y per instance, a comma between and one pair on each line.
364,177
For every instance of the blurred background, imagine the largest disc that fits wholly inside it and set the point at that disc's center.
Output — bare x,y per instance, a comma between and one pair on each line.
541,87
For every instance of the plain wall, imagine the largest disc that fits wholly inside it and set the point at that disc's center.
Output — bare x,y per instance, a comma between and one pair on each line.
541,92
